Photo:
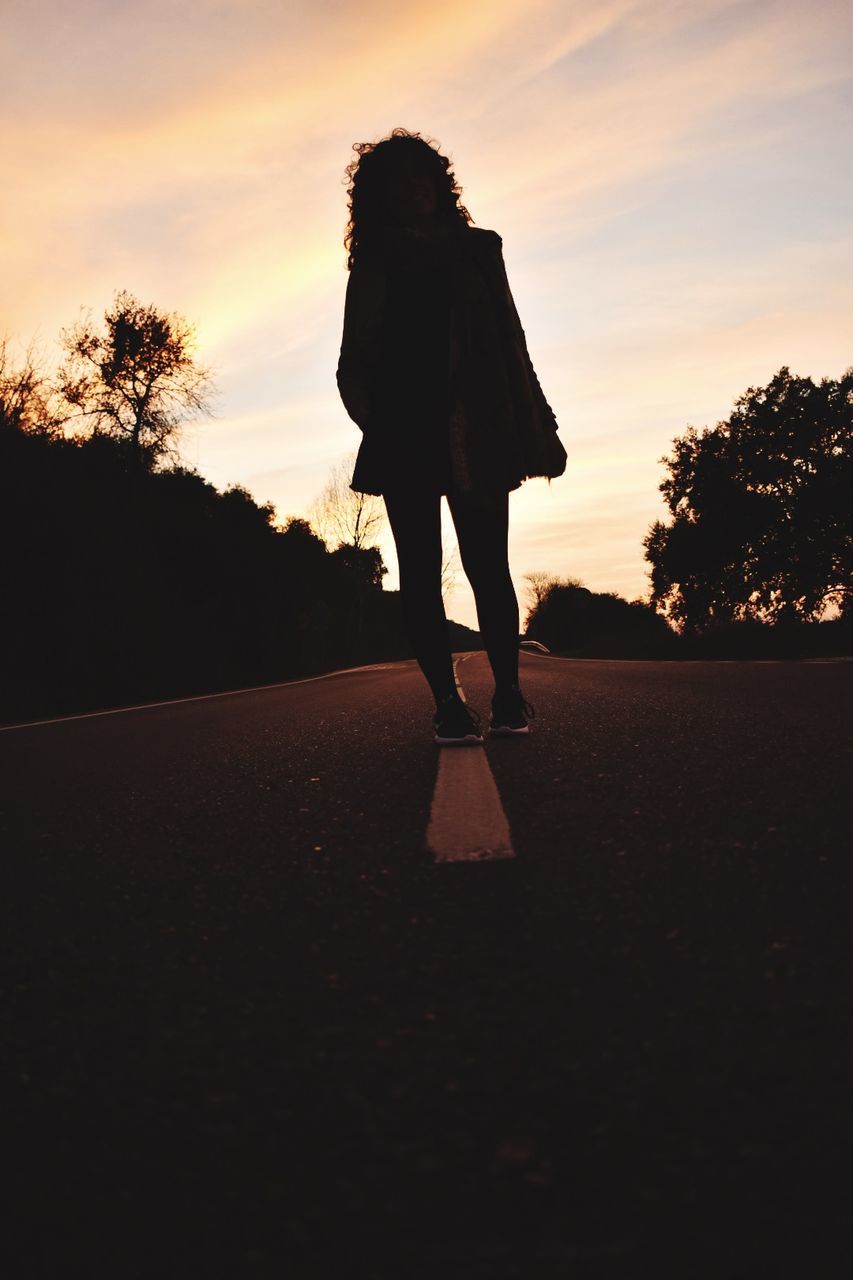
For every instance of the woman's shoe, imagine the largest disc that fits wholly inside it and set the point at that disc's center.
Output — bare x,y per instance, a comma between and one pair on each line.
456,724
510,713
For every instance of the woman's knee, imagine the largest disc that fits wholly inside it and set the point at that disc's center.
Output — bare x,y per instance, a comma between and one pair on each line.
486,573
422,584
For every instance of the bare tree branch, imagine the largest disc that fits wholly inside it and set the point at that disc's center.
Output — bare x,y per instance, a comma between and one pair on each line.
343,517
27,400
450,565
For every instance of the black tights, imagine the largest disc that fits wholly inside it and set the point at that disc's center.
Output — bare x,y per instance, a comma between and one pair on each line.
415,519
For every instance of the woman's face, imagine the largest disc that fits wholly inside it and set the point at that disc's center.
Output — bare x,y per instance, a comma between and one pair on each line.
410,192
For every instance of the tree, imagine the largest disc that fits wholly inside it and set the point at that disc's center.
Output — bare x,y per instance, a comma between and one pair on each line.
26,400
364,564
449,568
540,585
761,509
343,517
568,617
137,380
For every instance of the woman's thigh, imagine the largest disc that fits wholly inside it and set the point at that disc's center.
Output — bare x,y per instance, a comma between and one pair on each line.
414,515
482,531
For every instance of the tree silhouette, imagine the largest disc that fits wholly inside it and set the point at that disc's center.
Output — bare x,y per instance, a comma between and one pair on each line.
137,380
762,525
343,517
27,402
450,563
538,585
365,565
568,617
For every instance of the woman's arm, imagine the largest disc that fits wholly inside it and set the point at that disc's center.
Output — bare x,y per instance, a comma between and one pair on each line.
360,343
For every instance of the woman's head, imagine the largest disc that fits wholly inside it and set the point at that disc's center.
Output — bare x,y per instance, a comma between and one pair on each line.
403,179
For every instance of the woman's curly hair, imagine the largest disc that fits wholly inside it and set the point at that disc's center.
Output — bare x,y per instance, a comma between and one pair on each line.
367,175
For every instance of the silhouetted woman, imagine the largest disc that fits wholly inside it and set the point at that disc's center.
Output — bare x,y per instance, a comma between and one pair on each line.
434,369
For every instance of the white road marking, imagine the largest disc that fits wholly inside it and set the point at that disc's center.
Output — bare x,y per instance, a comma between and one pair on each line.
676,662
467,822
198,697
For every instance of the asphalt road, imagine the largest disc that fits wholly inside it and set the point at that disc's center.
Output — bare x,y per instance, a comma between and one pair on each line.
255,1029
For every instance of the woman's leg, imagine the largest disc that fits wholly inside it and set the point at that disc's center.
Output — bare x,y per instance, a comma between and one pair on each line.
482,533
415,519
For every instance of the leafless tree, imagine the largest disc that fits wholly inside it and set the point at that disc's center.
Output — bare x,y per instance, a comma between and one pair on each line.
450,564
137,380
343,517
26,397
537,586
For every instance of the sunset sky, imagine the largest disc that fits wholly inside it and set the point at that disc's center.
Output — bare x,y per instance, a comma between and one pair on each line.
671,179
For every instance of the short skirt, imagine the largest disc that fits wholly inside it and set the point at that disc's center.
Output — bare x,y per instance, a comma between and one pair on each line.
411,451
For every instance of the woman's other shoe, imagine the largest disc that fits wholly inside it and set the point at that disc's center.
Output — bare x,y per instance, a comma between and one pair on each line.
510,712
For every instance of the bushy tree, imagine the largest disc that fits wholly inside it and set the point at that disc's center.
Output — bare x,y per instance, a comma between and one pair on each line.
568,617
193,590
539,584
762,523
137,379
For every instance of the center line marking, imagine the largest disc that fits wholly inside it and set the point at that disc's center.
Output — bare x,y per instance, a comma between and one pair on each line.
467,822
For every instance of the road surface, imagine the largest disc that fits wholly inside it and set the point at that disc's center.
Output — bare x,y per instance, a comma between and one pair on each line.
259,1025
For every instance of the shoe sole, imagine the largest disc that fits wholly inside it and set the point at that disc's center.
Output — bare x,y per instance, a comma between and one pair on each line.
468,741
506,731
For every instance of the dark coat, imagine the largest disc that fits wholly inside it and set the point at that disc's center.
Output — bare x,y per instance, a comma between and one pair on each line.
501,428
